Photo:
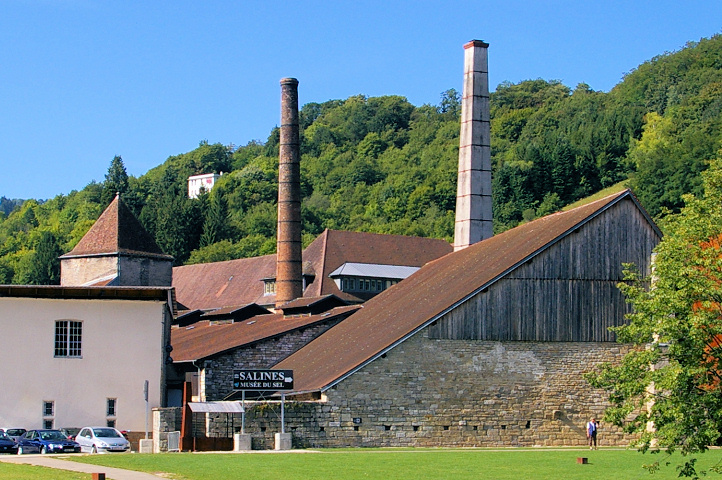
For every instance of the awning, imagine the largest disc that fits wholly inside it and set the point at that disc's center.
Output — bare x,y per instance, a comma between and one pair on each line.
216,407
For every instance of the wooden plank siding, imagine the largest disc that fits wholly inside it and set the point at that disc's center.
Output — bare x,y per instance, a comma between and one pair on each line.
566,292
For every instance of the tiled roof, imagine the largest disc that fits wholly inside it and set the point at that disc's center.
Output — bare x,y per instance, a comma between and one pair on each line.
236,312
117,231
220,284
400,311
201,339
311,304
333,248
234,282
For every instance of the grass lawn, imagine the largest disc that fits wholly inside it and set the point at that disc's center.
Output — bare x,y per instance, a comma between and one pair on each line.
10,471
451,464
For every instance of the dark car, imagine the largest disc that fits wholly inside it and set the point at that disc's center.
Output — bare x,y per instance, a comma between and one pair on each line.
46,441
7,444
14,433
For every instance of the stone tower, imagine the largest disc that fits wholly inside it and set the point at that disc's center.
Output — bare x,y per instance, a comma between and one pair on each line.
116,251
473,197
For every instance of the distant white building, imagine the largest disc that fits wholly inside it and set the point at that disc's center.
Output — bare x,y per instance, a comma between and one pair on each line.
205,181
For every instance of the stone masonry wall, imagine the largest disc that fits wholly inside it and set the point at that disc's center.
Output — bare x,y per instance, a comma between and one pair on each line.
165,420
81,270
428,393
217,375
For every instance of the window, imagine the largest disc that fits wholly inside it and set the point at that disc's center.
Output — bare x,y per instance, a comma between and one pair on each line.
48,411
269,287
68,337
111,423
112,402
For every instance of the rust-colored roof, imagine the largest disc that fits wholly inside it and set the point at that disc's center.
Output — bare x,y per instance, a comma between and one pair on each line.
201,339
237,312
117,231
400,311
236,282
333,248
220,284
311,305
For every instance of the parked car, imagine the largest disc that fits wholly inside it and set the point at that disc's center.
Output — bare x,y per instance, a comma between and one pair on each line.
7,444
46,441
69,432
102,440
14,433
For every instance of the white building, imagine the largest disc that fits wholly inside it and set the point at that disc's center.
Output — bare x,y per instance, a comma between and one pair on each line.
75,356
204,181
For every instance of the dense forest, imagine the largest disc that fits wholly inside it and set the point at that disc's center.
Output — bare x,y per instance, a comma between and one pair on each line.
381,164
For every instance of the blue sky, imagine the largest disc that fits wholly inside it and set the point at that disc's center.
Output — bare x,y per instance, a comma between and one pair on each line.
84,80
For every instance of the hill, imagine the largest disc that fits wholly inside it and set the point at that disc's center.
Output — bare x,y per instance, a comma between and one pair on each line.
383,165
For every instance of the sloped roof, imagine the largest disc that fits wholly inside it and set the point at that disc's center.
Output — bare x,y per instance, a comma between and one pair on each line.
201,339
220,284
117,231
312,304
436,288
236,312
234,282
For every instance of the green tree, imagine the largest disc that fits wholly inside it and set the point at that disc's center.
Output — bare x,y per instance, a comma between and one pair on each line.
671,378
215,224
40,266
116,181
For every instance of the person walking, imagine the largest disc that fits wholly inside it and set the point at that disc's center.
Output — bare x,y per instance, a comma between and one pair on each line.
592,427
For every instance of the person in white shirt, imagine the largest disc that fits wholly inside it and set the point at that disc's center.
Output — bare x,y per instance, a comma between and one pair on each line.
592,426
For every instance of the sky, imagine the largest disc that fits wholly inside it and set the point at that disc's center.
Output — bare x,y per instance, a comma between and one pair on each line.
84,80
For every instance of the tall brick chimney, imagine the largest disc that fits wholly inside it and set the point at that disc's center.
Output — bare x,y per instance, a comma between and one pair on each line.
289,280
473,196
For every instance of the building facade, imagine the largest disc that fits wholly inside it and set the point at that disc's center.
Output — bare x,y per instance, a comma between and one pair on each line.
80,356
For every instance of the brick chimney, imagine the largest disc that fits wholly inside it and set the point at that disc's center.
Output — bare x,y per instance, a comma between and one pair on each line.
473,196
289,280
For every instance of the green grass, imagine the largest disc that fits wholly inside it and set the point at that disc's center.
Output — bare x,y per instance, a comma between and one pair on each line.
617,187
451,464
10,471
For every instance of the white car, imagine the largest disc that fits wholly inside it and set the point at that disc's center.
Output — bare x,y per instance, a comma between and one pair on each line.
101,440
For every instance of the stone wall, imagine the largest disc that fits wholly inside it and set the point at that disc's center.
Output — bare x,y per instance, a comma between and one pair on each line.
429,392
145,271
132,270
165,420
76,271
217,374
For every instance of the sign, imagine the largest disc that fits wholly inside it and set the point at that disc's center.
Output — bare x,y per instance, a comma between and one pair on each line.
263,380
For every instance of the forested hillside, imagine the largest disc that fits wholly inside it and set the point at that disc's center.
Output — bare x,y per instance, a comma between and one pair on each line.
383,165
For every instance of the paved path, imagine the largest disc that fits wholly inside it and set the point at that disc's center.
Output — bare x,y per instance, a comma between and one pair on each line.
59,463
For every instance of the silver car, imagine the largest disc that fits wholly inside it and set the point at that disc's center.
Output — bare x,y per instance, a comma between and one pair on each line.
101,440
14,433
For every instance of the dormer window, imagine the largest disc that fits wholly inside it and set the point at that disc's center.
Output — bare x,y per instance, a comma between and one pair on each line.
269,286
369,279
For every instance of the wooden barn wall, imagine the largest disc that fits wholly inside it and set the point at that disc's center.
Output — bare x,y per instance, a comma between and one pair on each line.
566,293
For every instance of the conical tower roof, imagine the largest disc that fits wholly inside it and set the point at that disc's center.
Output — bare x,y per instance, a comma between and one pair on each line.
117,231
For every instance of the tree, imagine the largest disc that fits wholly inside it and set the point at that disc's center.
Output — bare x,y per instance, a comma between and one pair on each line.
671,378
450,104
116,181
40,266
215,224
